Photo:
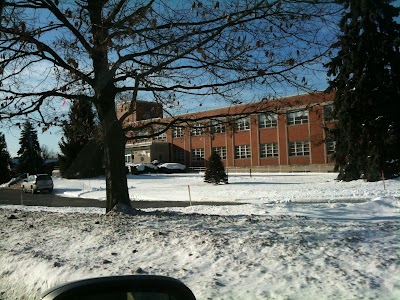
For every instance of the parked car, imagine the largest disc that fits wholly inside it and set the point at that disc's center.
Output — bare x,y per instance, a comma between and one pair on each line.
171,168
142,168
37,183
167,168
17,179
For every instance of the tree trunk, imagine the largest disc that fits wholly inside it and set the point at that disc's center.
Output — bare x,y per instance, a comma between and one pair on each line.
114,154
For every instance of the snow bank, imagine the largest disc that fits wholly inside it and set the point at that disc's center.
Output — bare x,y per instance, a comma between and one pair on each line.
297,236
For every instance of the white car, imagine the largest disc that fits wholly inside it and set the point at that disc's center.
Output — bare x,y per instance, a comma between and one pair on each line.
141,168
37,183
172,168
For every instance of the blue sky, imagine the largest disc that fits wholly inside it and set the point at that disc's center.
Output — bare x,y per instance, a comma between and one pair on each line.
52,137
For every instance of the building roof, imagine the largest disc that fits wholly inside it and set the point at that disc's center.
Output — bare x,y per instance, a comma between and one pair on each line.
265,105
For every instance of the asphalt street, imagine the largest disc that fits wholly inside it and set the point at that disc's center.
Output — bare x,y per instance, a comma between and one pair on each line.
14,196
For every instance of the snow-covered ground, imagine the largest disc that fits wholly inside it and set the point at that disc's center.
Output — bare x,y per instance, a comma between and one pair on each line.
298,236
258,188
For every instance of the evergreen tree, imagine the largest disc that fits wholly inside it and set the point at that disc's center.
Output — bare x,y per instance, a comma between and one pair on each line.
366,77
215,172
81,153
29,155
4,160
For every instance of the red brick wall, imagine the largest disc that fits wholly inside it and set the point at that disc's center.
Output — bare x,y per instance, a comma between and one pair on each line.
282,140
143,110
313,132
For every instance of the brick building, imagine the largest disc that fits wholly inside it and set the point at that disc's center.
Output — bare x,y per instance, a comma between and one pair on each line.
143,110
272,135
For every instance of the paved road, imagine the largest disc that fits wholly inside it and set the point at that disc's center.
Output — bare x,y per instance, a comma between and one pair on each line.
14,196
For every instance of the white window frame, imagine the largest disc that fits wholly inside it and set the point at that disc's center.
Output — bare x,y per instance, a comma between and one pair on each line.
197,129
330,147
178,132
139,139
297,117
128,158
269,150
299,148
267,120
198,154
242,151
221,151
328,112
217,127
161,136
242,124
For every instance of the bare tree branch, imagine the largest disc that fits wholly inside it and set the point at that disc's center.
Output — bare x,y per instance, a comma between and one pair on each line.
101,51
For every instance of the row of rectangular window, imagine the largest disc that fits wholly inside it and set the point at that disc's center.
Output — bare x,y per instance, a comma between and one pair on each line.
242,124
299,148
269,120
264,121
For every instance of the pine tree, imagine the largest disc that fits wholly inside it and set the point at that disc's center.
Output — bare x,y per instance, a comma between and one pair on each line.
4,160
366,77
215,172
29,155
81,153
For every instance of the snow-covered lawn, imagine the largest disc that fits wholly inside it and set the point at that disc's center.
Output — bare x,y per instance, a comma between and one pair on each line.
258,188
299,236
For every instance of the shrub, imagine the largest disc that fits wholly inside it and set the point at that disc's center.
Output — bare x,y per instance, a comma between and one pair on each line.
215,172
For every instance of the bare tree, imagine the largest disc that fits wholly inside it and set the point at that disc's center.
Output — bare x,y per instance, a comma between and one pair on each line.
170,51
48,153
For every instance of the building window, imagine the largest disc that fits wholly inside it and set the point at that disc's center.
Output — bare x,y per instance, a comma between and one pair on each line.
242,124
217,127
161,136
269,150
198,154
221,151
179,155
197,129
297,117
178,132
243,151
267,120
128,158
140,136
328,112
330,147
299,148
